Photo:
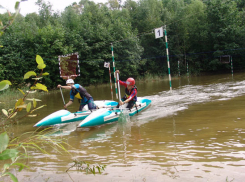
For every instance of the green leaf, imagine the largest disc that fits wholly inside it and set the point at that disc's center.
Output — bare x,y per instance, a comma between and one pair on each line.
32,116
40,86
41,66
39,60
13,115
34,103
31,92
20,165
13,177
17,4
8,154
4,84
28,107
5,112
6,166
4,140
45,74
29,74
18,103
39,78
21,91
22,106
38,108
34,99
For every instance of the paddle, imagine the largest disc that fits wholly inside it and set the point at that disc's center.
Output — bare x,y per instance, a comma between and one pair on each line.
63,97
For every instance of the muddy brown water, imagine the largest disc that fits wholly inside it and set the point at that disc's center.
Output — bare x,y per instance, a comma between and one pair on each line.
196,133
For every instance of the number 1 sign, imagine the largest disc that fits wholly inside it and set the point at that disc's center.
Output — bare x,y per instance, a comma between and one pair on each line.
159,32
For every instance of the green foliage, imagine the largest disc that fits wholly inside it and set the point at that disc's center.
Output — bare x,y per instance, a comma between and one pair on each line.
193,26
18,147
6,154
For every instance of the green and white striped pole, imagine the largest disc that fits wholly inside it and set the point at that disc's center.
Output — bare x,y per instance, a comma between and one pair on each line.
114,69
178,69
166,40
231,66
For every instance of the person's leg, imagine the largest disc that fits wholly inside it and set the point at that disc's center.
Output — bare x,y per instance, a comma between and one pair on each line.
91,104
130,104
81,106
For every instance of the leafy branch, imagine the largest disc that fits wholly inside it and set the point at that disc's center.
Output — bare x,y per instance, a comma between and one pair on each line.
20,104
12,149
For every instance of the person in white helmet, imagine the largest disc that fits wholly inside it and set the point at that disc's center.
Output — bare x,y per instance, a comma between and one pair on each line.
79,92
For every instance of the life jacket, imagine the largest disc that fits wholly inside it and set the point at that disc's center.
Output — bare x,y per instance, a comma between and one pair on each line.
128,93
76,93
81,93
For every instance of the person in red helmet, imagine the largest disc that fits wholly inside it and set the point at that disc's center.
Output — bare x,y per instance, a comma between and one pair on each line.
130,96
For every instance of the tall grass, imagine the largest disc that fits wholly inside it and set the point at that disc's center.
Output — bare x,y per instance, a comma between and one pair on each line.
13,94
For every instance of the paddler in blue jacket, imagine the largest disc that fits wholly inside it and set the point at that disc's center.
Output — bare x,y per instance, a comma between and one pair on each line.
130,96
79,92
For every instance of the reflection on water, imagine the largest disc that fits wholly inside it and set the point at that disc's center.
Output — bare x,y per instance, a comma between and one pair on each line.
197,133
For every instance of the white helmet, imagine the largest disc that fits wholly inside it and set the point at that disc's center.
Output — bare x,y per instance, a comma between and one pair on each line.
69,81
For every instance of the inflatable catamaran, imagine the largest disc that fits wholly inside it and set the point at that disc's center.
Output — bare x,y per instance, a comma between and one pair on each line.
107,114
64,116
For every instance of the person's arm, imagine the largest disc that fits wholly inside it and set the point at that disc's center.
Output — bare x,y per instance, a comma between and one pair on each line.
132,95
71,99
68,104
65,87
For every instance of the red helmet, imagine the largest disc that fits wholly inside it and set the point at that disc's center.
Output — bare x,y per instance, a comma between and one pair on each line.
130,81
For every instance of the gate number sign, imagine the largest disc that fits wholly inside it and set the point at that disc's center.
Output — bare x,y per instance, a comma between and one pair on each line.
159,32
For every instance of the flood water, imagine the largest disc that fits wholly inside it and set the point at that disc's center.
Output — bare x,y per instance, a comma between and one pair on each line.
196,133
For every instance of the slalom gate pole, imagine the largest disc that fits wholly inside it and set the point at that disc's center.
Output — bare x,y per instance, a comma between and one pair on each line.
178,69
119,93
231,66
169,75
114,69
110,81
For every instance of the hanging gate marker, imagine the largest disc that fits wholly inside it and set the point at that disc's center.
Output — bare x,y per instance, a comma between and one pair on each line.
69,66
107,65
114,69
159,34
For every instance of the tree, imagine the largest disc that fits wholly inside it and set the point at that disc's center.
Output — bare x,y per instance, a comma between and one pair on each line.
225,27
